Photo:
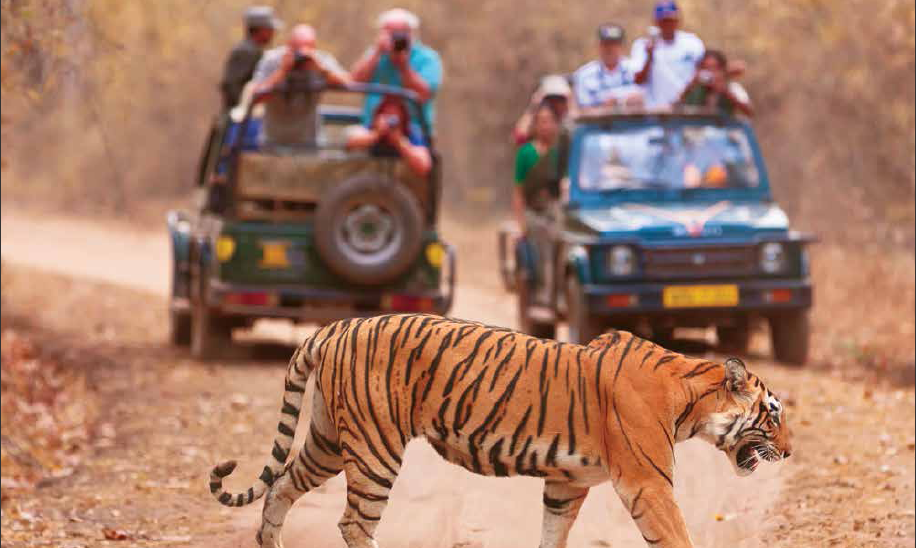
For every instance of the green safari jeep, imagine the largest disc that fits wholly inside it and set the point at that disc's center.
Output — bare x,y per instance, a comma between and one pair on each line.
311,233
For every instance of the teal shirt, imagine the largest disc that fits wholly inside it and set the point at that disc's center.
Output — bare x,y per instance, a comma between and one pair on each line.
425,62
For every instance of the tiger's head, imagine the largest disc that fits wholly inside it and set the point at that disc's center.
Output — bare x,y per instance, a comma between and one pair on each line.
750,426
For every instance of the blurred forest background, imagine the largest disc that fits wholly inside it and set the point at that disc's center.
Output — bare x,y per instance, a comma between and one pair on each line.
105,102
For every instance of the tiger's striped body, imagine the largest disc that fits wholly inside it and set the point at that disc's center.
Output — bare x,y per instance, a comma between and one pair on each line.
496,402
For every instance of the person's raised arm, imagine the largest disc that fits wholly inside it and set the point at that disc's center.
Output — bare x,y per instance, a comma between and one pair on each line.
642,56
424,79
332,71
267,81
360,137
738,97
417,157
522,130
364,67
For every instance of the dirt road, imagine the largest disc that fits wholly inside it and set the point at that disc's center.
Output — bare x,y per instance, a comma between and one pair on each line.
99,289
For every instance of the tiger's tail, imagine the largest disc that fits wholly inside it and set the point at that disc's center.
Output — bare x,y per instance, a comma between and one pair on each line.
297,374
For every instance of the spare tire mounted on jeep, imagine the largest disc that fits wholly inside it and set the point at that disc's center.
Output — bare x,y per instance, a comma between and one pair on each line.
369,229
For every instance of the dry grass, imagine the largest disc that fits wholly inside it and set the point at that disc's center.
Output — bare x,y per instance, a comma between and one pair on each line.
864,311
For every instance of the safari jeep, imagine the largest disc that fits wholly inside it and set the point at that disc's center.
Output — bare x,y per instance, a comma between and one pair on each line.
311,234
651,221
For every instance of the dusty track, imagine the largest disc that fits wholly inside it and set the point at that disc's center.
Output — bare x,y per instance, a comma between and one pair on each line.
186,416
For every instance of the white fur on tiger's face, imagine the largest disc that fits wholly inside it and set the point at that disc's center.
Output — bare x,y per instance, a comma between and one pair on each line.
501,403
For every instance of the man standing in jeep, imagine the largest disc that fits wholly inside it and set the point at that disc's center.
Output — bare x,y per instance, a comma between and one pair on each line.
400,59
667,60
260,25
292,119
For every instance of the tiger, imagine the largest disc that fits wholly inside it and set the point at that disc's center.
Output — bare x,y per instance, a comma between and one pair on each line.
501,403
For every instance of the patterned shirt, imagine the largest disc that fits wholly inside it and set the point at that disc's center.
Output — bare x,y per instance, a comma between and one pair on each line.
595,84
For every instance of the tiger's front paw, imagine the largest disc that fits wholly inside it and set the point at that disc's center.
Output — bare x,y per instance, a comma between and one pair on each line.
269,537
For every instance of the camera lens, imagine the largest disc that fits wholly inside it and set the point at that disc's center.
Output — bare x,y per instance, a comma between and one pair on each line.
400,41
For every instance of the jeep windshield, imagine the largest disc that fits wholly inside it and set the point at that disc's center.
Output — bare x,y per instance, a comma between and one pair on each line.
667,156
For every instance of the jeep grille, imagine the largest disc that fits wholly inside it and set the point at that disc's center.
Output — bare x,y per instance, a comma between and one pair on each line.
697,262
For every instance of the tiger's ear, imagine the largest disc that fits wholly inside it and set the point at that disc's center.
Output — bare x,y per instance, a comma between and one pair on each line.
735,375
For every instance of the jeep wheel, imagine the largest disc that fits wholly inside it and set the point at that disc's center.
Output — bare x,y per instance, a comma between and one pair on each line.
735,339
179,328
369,230
583,326
527,324
209,334
790,334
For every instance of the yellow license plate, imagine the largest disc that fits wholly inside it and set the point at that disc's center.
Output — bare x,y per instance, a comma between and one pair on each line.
688,296
273,255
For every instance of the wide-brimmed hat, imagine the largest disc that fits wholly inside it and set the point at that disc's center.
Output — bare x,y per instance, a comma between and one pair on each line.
554,85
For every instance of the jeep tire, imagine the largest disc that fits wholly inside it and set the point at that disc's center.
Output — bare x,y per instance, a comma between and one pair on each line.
209,333
735,339
369,230
527,324
790,334
583,326
179,328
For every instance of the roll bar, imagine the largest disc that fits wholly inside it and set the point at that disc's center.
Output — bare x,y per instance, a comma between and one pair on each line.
357,87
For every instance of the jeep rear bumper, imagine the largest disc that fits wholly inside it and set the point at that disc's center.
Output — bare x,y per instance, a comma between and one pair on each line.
317,305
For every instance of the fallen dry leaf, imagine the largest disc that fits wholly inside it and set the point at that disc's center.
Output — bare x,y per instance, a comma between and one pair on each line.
115,534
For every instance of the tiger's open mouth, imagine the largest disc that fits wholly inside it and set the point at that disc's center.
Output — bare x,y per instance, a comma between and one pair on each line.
750,455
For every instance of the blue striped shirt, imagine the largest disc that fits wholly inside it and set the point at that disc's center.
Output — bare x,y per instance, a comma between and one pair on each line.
595,84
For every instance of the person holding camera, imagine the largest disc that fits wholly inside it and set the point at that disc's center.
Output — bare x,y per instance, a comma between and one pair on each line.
299,53
610,79
399,58
391,133
667,59
711,87
292,118
260,25
553,89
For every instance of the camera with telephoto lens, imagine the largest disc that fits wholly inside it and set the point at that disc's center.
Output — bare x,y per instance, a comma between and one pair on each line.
400,41
300,59
392,120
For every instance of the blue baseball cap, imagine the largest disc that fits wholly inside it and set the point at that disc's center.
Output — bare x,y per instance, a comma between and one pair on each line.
666,10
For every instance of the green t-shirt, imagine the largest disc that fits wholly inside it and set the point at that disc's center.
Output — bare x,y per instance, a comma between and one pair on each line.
699,96
525,159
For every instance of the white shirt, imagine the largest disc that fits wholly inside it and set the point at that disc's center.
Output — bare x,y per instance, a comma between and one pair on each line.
673,66
595,84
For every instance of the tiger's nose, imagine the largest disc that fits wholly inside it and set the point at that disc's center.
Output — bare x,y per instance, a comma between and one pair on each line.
786,454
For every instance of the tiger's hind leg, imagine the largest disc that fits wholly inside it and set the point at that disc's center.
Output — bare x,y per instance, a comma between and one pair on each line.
561,507
317,461
370,478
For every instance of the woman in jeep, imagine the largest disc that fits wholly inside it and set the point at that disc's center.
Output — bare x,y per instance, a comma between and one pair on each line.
544,136
392,134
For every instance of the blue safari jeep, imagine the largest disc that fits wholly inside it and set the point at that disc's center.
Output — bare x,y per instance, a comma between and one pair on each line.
651,221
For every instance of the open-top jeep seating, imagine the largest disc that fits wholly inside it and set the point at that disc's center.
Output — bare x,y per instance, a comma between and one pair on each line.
312,232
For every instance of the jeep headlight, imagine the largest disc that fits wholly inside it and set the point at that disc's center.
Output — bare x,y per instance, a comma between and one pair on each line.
773,257
622,260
